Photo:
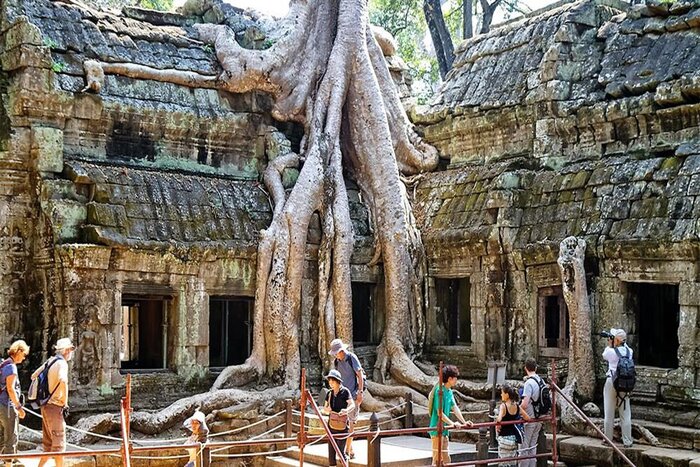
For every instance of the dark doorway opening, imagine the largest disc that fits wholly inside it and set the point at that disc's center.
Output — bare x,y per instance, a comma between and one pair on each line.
144,331
657,317
553,317
363,312
230,330
453,301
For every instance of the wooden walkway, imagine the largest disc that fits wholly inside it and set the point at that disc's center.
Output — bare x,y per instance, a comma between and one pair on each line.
403,451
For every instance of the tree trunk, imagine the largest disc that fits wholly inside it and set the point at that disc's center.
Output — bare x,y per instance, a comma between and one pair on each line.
329,74
467,17
442,41
487,18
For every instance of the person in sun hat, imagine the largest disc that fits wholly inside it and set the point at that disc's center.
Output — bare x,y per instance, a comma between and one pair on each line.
353,375
197,425
617,347
338,402
53,423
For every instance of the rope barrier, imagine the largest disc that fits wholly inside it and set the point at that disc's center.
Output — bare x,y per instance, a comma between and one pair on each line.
69,427
243,428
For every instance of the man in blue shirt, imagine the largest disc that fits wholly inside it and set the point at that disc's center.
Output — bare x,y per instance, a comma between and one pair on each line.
351,371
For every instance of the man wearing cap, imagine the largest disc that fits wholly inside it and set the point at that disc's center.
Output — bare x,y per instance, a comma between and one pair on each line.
610,396
53,424
352,375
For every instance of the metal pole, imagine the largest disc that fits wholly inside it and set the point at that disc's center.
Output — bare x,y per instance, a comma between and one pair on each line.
126,458
206,456
493,444
302,422
374,448
554,413
439,414
408,422
287,418
128,405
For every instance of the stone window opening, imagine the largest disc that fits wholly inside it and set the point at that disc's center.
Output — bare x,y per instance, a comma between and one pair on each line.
363,313
230,330
656,313
144,336
454,308
553,322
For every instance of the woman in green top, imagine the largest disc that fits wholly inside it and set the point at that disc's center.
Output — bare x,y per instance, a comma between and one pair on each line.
449,379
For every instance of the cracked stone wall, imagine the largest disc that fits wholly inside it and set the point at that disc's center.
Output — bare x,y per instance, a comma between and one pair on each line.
581,121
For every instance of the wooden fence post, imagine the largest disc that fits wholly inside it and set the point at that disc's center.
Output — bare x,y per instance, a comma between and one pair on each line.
374,458
408,422
288,418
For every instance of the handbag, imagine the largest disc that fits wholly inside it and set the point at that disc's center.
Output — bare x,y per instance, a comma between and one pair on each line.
338,421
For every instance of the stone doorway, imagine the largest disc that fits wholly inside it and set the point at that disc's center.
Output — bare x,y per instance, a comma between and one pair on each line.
656,317
363,313
230,330
452,297
144,333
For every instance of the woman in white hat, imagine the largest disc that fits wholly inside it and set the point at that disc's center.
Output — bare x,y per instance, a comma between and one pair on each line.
197,424
338,404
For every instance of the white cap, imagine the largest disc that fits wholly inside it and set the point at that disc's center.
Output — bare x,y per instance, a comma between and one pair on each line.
618,333
63,344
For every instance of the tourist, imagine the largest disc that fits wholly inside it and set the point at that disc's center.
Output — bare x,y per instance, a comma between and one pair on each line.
531,395
449,380
338,406
611,399
509,436
353,377
197,425
53,424
11,409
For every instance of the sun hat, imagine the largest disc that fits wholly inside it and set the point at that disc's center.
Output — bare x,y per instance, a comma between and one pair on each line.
200,417
618,333
335,374
336,346
63,344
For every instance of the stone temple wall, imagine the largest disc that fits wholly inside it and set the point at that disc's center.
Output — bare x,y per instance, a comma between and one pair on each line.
581,121
147,190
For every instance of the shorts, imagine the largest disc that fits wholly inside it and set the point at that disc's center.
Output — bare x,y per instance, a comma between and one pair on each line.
352,416
53,428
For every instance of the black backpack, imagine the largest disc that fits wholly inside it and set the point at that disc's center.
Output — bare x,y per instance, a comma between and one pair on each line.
625,376
39,393
543,404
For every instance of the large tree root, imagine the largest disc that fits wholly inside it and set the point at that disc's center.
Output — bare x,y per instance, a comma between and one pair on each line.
152,423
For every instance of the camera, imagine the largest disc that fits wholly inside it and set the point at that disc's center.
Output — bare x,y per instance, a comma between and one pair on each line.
606,334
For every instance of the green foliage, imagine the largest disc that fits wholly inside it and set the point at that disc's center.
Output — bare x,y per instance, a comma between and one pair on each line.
50,43
208,48
58,67
404,19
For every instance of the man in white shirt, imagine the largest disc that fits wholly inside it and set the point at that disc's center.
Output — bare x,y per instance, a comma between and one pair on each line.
53,424
611,399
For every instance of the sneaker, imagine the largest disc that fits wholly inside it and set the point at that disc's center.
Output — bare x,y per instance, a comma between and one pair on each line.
628,445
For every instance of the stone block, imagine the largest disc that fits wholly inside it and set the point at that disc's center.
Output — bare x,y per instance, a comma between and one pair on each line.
87,106
26,56
106,215
22,32
66,219
668,457
47,149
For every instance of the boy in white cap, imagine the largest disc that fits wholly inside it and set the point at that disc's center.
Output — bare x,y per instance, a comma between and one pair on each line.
53,424
352,375
617,346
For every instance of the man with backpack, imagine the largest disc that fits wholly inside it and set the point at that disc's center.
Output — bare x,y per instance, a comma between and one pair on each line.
618,384
353,376
534,407
53,424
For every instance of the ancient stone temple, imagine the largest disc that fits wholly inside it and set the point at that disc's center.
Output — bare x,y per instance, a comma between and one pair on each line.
580,121
130,209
